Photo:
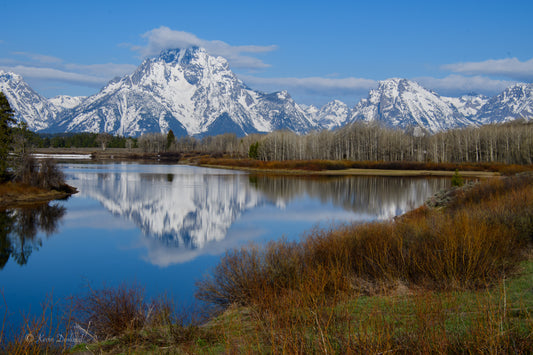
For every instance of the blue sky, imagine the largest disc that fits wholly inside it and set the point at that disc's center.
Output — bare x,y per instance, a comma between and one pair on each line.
317,50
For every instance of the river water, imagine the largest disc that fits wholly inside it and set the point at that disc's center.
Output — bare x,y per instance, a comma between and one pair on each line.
164,226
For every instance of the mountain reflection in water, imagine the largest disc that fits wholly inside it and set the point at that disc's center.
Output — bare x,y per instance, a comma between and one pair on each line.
184,212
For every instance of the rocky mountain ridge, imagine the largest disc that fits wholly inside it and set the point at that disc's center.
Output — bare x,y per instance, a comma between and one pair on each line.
196,94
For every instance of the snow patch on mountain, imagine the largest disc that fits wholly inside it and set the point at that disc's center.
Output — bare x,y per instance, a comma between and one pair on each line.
467,105
66,102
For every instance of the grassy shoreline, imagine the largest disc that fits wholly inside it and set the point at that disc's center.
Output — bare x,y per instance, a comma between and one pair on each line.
358,172
14,195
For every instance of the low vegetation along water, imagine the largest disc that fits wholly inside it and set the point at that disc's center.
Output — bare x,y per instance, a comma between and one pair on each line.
164,226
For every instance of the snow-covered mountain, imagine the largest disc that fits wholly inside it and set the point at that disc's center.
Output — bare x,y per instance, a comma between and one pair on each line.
403,103
28,106
330,116
188,91
194,93
66,102
467,105
514,102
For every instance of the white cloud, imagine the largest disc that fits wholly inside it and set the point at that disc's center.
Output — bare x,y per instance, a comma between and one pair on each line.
316,85
56,75
164,38
510,68
107,70
457,84
41,58
47,68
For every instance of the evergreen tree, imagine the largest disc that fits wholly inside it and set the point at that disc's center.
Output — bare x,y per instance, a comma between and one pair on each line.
6,133
253,153
457,179
170,138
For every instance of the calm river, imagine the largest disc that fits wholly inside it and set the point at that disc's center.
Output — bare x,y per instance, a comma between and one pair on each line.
164,226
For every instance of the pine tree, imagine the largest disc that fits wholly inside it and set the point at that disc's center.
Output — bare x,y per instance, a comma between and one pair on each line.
253,153
170,138
457,179
6,133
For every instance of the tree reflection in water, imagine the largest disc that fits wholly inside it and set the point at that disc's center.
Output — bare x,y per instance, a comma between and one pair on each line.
19,228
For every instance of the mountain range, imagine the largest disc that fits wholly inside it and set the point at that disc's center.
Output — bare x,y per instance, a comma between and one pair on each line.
196,94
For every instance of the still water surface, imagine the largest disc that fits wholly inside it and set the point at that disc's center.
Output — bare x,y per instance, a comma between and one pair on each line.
164,226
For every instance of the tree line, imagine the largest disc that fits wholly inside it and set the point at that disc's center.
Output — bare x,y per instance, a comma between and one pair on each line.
80,140
510,143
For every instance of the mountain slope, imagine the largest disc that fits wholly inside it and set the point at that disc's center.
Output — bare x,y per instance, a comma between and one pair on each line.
402,103
28,106
467,105
514,102
63,102
330,116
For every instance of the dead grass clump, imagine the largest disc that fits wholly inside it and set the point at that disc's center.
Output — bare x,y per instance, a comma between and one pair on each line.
109,312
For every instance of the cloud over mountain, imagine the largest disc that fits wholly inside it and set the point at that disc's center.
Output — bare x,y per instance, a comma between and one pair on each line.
454,84
508,67
162,38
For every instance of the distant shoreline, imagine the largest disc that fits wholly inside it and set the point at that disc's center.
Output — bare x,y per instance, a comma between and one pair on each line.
360,172
206,160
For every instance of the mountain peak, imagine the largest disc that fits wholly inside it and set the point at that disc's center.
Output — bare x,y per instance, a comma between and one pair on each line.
514,102
181,55
400,84
28,106
403,103
6,75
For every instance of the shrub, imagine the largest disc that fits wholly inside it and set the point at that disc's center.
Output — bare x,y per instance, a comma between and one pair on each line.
475,240
109,312
44,174
50,176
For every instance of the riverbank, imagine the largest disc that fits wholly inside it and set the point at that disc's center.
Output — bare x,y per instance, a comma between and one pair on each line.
367,168
358,172
16,195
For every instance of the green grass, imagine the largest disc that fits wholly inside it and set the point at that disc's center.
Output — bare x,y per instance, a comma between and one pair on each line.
494,319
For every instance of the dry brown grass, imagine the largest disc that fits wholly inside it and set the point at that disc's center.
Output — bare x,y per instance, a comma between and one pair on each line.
425,273
466,246
335,165
16,188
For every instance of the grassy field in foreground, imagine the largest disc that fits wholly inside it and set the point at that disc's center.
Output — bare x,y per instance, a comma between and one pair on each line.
454,279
